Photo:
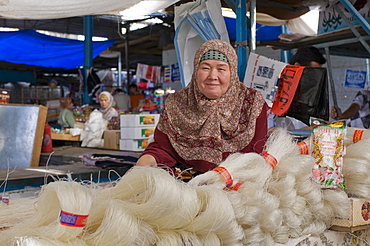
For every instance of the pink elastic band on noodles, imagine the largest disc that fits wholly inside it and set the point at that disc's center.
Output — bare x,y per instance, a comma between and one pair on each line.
357,135
270,159
225,175
303,147
72,220
5,200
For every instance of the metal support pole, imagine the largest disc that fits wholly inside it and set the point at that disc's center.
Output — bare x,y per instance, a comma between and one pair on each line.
88,57
363,23
127,26
241,37
119,69
354,30
330,76
285,55
367,87
253,30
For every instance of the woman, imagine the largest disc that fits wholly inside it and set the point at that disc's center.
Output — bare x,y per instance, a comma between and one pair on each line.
66,118
213,117
106,102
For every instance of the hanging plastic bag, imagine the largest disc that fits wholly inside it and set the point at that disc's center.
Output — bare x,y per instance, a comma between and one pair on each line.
312,96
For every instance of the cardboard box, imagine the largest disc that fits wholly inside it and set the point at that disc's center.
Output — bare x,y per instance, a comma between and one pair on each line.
64,137
111,139
139,120
330,20
136,132
359,214
133,144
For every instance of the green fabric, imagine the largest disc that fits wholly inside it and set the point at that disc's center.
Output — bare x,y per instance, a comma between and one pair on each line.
214,55
66,118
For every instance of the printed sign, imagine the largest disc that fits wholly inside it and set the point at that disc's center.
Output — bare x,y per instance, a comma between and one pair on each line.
263,74
355,79
289,79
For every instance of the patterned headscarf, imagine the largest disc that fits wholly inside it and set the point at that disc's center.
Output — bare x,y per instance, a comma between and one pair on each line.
202,129
108,112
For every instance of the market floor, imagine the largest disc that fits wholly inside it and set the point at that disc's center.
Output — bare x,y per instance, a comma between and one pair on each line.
64,162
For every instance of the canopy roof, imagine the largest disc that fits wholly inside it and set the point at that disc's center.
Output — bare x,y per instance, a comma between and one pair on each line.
41,9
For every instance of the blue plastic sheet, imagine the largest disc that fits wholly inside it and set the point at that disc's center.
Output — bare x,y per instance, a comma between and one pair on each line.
32,48
264,33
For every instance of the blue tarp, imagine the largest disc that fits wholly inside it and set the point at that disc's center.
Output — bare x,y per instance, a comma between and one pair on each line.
264,33
32,48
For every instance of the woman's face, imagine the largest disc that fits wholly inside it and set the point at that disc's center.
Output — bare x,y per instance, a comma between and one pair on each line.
104,102
213,78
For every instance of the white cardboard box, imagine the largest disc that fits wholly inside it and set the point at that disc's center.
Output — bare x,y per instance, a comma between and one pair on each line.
139,120
133,144
136,132
359,214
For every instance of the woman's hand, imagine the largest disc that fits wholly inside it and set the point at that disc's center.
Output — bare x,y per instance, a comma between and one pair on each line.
146,161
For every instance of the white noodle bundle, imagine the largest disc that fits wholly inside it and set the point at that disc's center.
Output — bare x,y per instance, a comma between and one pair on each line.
242,167
120,227
356,172
356,169
249,166
215,216
70,197
157,198
17,211
301,200
337,200
257,212
35,241
359,150
354,134
169,237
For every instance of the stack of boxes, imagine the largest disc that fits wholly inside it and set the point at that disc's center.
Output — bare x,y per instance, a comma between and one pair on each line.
136,129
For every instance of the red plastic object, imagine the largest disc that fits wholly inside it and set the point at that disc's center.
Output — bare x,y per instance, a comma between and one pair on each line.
47,143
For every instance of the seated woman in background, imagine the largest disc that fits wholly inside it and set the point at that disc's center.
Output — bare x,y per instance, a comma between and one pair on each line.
214,116
66,117
109,112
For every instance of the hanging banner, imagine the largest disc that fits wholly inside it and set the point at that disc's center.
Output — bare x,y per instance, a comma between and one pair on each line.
167,74
355,79
289,80
175,72
263,74
148,74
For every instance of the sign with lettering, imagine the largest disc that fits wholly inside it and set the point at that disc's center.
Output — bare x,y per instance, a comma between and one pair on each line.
289,79
330,20
355,79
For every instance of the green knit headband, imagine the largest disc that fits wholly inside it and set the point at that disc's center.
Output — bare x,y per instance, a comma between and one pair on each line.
214,55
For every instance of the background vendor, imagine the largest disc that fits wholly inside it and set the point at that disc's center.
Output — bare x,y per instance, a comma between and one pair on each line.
66,117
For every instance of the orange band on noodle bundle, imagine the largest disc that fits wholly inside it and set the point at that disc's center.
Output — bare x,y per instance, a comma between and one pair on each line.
72,220
270,159
235,187
357,135
303,147
225,175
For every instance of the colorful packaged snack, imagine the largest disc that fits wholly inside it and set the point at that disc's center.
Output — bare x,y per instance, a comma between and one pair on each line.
328,150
